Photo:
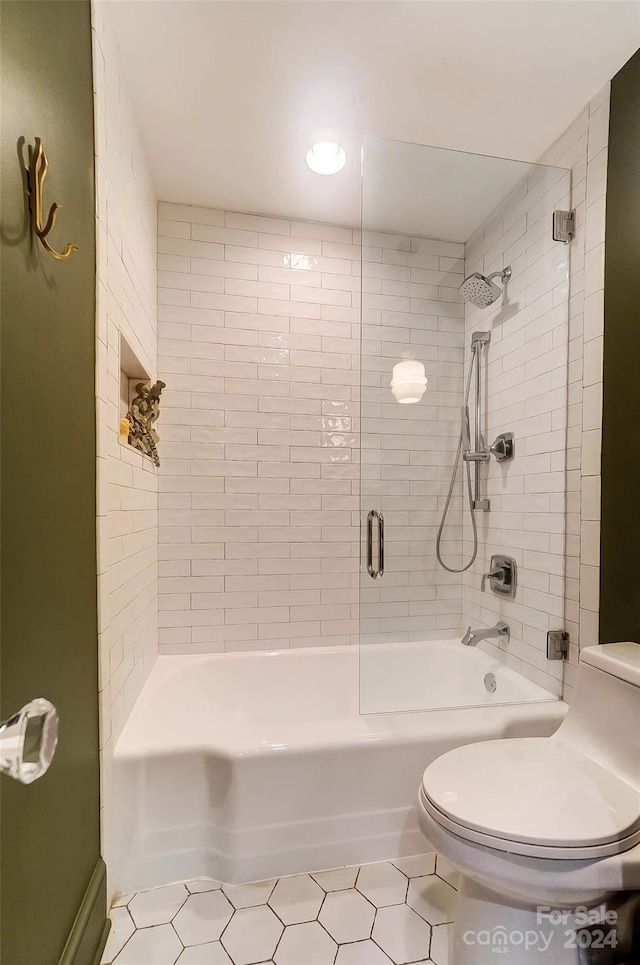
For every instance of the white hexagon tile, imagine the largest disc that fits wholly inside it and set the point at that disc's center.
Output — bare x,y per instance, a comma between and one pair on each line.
389,913
252,935
203,918
347,916
297,899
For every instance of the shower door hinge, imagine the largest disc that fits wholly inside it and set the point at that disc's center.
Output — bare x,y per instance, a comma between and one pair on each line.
557,645
564,226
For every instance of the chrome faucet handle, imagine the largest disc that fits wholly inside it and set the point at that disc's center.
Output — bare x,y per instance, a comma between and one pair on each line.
502,577
504,447
498,574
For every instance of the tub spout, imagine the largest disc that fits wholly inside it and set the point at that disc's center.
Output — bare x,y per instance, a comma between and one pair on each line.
473,637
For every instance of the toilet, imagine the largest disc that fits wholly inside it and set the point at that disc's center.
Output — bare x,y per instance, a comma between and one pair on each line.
545,830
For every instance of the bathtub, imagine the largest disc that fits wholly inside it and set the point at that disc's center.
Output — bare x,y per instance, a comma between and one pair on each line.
254,765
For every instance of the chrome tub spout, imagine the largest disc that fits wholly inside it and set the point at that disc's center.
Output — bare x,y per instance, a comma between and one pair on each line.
473,637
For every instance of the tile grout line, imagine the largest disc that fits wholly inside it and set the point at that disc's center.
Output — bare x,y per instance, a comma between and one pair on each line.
265,903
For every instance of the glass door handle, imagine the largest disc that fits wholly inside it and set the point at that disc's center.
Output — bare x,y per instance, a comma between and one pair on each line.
375,573
28,741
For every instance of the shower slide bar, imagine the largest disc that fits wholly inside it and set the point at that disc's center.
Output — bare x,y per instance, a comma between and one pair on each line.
480,453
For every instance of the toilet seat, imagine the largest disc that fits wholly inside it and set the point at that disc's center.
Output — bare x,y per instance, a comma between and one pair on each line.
538,797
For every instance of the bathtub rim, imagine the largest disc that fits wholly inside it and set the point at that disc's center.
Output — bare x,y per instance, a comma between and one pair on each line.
138,738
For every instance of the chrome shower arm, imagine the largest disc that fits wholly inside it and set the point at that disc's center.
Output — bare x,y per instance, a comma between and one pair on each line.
504,275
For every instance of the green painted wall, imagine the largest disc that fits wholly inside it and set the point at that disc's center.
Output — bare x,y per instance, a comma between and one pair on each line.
50,830
620,541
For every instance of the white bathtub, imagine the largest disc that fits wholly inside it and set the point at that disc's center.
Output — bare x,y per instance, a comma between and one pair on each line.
253,765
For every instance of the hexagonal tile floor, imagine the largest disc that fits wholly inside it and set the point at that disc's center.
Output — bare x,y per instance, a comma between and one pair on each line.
388,913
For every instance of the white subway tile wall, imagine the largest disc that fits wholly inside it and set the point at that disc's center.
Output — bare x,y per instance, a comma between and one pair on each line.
259,522
412,309
126,480
545,506
259,324
526,386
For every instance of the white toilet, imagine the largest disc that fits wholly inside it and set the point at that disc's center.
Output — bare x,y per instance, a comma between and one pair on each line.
540,826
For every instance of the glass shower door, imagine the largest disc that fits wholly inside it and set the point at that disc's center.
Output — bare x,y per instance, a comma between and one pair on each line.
441,379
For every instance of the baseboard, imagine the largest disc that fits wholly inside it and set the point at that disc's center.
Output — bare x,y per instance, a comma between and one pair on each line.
102,943
90,929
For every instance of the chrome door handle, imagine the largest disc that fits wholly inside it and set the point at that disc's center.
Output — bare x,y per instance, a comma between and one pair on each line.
375,573
28,741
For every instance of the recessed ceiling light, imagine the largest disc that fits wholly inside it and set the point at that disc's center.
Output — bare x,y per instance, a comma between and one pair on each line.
326,157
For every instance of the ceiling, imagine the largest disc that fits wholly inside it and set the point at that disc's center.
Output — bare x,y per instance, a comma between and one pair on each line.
433,192
230,94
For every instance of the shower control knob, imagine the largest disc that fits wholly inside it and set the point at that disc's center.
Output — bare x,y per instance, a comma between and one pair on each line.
502,576
504,447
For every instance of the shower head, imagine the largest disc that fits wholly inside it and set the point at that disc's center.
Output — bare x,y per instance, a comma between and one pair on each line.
482,291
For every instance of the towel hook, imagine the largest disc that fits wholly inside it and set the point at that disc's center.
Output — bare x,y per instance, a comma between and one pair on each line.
36,173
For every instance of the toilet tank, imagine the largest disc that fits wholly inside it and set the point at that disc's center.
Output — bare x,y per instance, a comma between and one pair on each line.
603,721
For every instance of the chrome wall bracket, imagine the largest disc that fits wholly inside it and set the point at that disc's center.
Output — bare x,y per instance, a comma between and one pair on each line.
558,645
564,226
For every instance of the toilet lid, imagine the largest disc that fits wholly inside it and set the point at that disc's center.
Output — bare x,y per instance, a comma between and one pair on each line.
535,791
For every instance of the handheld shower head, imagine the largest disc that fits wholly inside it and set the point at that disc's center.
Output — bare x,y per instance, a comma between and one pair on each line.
482,291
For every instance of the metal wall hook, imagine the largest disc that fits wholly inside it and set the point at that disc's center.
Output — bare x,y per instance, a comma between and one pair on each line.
36,173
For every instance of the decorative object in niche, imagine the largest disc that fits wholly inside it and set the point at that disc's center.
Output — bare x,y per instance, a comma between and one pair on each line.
36,173
143,412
